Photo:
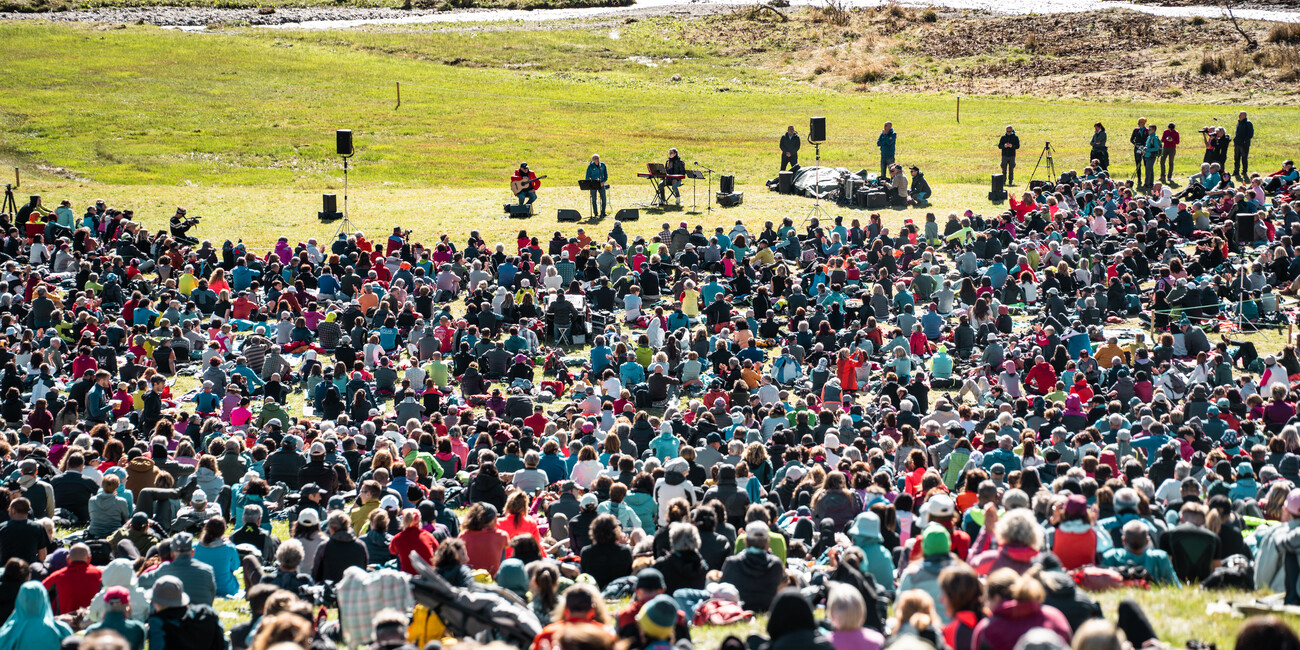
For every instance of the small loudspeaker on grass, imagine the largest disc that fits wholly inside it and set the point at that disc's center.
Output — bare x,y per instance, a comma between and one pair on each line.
329,208
567,215
627,214
997,191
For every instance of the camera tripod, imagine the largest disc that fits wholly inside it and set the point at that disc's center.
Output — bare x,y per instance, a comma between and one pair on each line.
1047,152
9,207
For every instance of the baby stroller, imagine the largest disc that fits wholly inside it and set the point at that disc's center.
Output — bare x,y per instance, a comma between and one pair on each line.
483,613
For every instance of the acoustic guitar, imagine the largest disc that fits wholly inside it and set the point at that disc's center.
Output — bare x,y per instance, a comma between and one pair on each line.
519,185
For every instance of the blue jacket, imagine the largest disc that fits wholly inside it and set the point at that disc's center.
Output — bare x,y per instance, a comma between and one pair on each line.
886,143
198,578
242,277
224,560
631,373
597,172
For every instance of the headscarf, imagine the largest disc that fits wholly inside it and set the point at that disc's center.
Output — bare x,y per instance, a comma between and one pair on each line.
32,625
790,612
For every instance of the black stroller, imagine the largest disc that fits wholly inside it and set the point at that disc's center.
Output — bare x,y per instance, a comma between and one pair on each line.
483,613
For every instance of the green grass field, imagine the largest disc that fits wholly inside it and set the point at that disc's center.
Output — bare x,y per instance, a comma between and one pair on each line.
238,125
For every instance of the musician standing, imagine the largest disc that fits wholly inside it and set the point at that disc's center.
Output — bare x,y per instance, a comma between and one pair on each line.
789,148
529,192
675,166
596,172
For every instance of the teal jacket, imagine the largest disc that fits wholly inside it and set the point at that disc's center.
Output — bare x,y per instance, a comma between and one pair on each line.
133,631
645,508
1155,562
886,143
597,172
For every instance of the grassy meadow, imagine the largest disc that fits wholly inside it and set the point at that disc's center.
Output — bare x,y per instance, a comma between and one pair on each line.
238,124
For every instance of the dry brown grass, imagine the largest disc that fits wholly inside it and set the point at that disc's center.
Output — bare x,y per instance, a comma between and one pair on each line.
1288,33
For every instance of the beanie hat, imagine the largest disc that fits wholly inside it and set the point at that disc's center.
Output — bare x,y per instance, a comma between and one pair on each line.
658,617
935,540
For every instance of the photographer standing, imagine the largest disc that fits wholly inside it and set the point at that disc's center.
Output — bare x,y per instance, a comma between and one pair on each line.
1139,141
1168,147
1241,150
1008,145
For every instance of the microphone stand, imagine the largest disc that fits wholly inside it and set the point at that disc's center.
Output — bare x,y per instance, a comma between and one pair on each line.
708,199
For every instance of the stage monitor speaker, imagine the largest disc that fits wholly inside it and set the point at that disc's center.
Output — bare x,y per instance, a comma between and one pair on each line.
784,182
730,199
726,184
627,214
516,211
997,191
567,215
816,129
343,141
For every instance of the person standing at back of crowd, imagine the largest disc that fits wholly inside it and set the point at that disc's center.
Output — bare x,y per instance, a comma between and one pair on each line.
790,149
1241,147
887,140
1168,147
1008,144
1139,141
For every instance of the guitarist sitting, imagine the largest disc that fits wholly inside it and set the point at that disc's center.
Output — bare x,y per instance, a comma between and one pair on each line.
528,192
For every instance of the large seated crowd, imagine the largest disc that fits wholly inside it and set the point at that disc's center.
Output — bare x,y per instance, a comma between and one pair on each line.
939,436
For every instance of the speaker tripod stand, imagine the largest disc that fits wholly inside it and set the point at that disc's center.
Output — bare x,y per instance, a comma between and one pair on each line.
345,224
816,210
1051,166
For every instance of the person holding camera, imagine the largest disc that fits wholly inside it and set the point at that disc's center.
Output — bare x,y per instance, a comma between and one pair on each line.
1008,144
1168,147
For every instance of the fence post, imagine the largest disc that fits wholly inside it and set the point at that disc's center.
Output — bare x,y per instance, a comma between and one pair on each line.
399,96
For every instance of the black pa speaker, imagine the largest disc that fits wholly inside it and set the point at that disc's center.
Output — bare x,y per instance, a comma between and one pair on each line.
997,189
784,182
726,184
816,129
567,215
343,142
627,214
329,208
730,199
516,211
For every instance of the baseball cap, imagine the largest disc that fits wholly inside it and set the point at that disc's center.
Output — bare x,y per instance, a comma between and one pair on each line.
941,506
117,595
317,449
588,501
309,517
390,502
182,543
139,521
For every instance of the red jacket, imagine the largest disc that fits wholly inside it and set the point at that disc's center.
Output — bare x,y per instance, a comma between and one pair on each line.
1169,139
1042,378
74,585
412,539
